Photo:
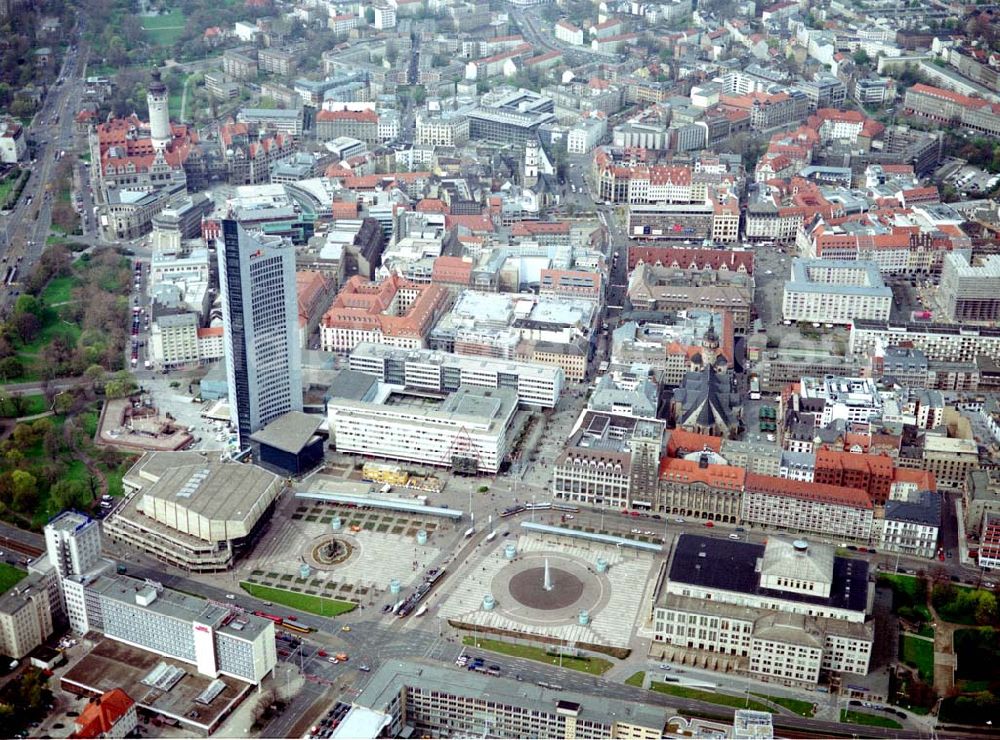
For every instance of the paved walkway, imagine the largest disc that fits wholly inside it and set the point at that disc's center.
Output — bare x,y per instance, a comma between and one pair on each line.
945,660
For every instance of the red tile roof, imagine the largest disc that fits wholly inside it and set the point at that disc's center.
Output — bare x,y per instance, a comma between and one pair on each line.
363,305
682,441
712,259
452,270
690,471
817,492
100,716
361,116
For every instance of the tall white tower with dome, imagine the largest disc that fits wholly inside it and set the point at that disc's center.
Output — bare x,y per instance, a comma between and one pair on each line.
157,98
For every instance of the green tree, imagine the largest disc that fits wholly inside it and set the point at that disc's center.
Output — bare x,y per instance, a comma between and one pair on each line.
24,436
28,304
861,58
70,494
121,385
25,488
10,368
95,374
986,608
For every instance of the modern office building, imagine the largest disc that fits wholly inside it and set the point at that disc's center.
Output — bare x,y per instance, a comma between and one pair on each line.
261,324
835,292
469,430
217,639
193,513
938,342
424,700
610,460
971,292
282,120
787,612
444,372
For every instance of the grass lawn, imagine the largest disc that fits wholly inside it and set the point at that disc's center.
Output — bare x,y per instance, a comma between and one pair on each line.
312,604
594,666
9,576
919,653
636,679
726,700
164,30
7,183
174,105
88,422
59,290
32,405
799,706
872,720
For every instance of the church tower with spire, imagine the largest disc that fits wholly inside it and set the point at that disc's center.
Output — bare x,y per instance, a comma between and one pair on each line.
710,344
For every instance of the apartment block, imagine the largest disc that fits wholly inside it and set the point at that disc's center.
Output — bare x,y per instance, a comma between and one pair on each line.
911,526
950,459
25,617
835,292
823,509
445,372
971,292
396,312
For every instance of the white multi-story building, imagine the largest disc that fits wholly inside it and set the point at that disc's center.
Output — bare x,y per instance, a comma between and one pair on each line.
449,131
343,24
73,542
213,639
25,617
938,342
12,143
261,325
211,344
835,292
385,16
388,125
469,429
853,400
818,508
173,340
970,292
586,134
444,372
786,611
911,526
568,33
